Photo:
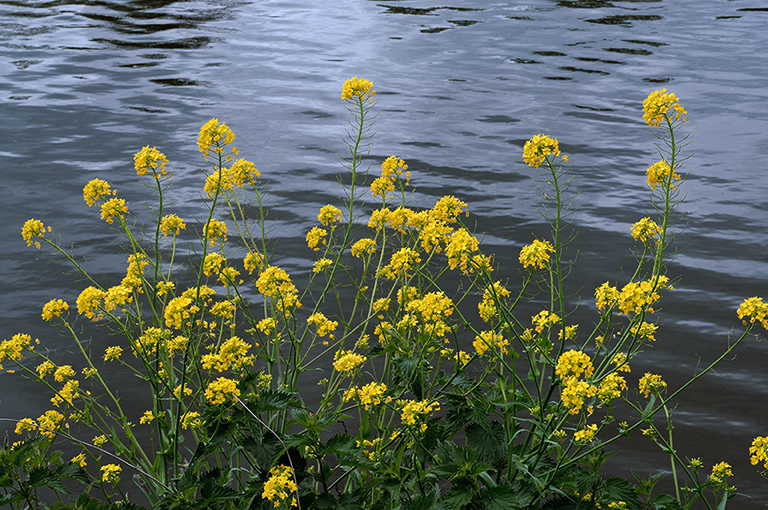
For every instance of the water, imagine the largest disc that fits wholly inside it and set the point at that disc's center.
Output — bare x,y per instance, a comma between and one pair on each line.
461,86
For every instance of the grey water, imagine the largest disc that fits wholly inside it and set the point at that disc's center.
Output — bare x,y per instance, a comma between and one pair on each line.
84,84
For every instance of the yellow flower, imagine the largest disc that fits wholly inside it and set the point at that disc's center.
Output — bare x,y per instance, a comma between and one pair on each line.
645,330
413,410
651,383
243,171
645,230
49,423
178,310
569,332
79,460
635,296
347,362
325,327
163,288
25,424
402,263
490,340
33,228
147,417
215,230
544,319
13,349
754,310
461,245
100,440
759,451
316,237
190,419
382,188
97,189
611,387
254,260
720,472
113,208
536,254
585,435
433,235
221,390
214,137
63,373
658,175
575,392
447,209
113,353
363,246
172,223
492,294
574,363
280,486
357,87
321,265
370,395
110,473
219,181
267,326
536,150
212,263
150,159
656,108
392,166
606,296
117,296
379,218
620,360
329,215
44,368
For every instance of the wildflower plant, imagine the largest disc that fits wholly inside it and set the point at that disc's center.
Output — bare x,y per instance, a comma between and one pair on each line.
423,402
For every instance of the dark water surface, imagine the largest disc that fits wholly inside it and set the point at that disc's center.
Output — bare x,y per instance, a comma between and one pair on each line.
462,85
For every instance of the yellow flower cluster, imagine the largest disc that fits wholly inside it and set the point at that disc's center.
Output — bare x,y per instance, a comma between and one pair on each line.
221,390
571,366
254,260
402,263
31,229
113,208
325,326
753,310
391,170
636,296
460,247
759,451
585,435
656,108
606,296
316,237
492,294
447,209
96,189
658,175
363,247
720,472
645,230
214,137
357,87
275,283
651,383
329,215
372,394
47,424
232,353
413,410
543,320
110,473
347,362
611,387
14,348
536,254
150,159
267,326
432,307
178,311
536,150
490,340
226,179
215,230
172,223
280,486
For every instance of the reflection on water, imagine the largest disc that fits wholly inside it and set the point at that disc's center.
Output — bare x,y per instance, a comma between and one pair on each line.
461,87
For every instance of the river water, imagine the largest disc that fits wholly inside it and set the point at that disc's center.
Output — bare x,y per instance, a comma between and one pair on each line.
461,86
